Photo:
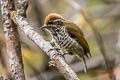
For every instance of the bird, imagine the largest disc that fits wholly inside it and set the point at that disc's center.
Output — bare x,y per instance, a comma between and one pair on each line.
67,36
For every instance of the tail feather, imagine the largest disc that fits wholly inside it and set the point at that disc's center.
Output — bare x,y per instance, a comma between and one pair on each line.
85,65
84,62
88,55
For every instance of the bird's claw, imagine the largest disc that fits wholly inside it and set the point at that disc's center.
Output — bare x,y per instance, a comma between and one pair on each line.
60,55
52,62
57,49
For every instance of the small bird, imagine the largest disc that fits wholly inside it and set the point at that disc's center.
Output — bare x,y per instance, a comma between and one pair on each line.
67,36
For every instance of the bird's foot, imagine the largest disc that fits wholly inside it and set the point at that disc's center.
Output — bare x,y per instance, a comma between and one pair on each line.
58,50
52,62
60,55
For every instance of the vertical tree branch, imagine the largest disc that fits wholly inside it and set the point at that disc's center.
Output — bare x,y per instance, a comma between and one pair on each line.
12,41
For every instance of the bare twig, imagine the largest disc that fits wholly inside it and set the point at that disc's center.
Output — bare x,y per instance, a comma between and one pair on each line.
45,46
12,41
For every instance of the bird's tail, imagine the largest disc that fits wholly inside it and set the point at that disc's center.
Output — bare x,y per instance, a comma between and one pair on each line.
85,64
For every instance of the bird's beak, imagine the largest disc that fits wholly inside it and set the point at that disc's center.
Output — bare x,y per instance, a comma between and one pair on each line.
43,27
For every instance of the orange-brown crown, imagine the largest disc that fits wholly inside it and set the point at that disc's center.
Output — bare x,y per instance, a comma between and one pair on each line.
52,16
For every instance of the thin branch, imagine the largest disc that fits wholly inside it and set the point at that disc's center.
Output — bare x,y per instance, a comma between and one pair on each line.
22,22
12,41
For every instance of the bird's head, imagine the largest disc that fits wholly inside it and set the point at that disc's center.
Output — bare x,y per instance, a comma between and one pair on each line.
53,19
53,22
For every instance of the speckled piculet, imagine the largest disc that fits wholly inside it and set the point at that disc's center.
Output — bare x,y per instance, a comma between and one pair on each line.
67,36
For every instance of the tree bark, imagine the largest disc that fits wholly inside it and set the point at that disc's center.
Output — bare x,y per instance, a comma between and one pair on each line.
12,41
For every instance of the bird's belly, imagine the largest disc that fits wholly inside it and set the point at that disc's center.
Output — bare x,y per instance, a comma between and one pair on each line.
64,42
69,45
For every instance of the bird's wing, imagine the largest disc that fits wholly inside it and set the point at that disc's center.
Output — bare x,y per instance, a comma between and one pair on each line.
81,40
73,27
77,33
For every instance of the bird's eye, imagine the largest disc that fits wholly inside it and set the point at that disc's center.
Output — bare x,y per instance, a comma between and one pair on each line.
57,30
56,23
50,22
59,22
